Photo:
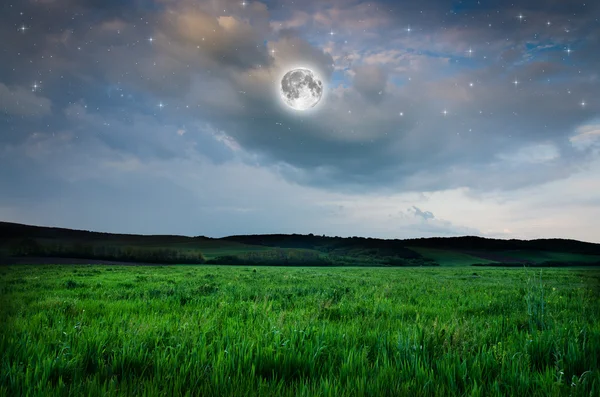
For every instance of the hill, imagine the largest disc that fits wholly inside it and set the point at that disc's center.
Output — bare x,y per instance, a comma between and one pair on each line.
17,240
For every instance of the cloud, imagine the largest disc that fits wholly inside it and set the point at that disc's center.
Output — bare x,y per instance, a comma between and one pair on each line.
532,154
227,40
370,82
23,102
380,123
586,136
214,68
297,20
291,51
142,136
425,215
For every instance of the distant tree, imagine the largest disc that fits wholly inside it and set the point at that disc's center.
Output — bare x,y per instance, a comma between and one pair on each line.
27,247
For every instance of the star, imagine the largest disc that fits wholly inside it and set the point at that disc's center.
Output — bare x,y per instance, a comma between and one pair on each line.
150,40
548,23
445,112
568,51
582,104
23,28
470,84
161,105
408,29
401,113
331,33
520,17
244,4
516,83
34,87
470,51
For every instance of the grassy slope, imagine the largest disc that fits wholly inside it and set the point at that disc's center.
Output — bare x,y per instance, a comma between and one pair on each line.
221,331
448,257
543,256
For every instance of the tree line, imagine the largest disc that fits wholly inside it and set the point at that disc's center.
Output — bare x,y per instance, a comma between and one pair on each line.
30,247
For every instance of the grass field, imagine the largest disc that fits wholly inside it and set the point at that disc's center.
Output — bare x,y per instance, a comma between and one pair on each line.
456,258
543,256
450,258
238,331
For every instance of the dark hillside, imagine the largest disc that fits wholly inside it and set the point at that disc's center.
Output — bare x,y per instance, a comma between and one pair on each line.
471,243
17,231
337,245
18,240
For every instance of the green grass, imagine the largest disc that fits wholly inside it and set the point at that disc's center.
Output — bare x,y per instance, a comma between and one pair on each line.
545,256
234,331
456,258
449,258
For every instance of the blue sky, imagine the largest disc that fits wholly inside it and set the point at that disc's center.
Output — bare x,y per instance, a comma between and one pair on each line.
438,118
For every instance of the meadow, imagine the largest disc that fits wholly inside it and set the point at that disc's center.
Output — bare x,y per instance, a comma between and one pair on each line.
298,331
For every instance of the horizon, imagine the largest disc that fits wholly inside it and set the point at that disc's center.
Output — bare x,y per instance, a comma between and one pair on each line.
423,119
289,234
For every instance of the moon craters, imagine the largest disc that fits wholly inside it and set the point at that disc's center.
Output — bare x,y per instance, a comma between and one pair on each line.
301,89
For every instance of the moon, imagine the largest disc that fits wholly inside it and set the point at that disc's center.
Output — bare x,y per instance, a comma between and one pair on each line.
301,89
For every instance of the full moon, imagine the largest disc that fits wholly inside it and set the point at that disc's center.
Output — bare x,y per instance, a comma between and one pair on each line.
301,89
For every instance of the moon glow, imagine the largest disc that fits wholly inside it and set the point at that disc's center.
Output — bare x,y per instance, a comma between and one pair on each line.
301,89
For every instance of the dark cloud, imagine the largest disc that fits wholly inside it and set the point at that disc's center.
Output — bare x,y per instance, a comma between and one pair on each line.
370,81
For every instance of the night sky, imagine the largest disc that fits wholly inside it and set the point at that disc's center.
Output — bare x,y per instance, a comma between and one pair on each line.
438,118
